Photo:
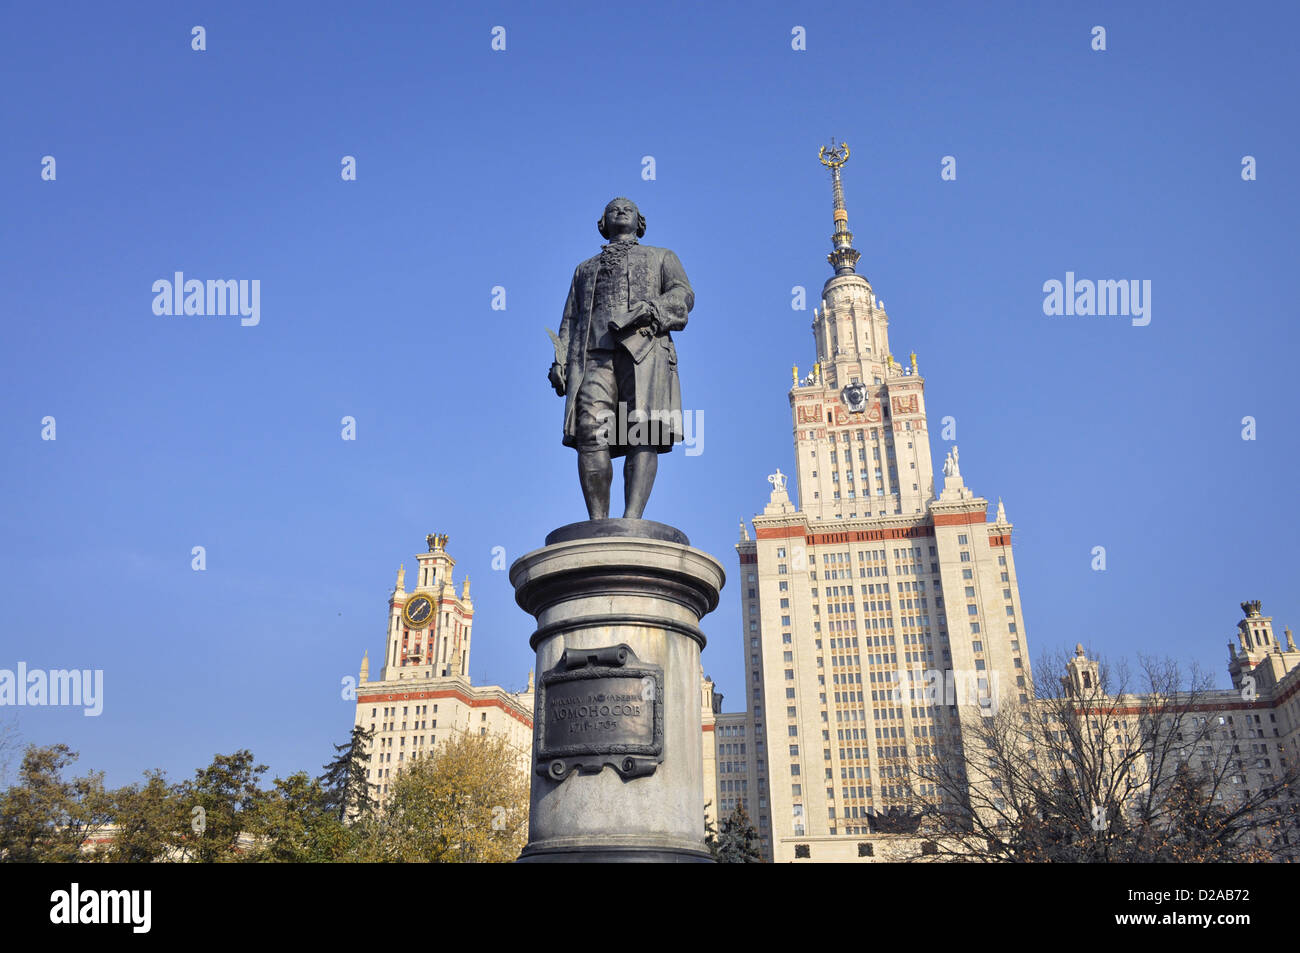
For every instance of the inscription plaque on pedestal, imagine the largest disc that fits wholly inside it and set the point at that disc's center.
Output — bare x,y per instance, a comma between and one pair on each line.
599,707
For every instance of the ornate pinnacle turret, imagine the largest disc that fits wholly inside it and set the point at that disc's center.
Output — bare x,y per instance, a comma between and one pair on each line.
845,256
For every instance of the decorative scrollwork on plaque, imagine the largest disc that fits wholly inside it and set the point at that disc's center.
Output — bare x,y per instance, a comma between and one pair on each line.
600,707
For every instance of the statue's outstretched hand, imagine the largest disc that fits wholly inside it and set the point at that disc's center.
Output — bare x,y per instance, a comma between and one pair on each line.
556,377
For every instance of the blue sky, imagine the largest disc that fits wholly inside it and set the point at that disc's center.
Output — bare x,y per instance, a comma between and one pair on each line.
478,168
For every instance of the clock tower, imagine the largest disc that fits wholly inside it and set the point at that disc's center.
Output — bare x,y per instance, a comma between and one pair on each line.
423,694
429,627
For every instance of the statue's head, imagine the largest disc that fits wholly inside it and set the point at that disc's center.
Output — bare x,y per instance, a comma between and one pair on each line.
619,215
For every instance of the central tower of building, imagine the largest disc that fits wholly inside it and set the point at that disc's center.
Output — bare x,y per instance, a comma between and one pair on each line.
856,383
876,583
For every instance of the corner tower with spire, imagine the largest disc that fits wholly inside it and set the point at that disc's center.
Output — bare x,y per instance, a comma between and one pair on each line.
429,627
424,694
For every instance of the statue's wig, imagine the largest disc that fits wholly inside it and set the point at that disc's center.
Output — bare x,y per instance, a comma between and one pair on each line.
640,219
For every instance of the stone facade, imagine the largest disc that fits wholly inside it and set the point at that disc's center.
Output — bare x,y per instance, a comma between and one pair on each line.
883,579
871,580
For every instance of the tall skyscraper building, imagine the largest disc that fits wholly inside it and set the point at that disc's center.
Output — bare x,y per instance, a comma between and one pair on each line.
876,579
423,692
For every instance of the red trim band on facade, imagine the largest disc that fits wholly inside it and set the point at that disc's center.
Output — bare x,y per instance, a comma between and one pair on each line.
959,519
444,693
849,536
1243,705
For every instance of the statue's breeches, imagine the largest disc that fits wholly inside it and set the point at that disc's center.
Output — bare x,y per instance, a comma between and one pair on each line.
612,410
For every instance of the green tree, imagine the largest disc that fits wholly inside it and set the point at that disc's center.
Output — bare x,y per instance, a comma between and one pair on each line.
223,801
46,818
348,792
466,803
297,824
151,820
736,843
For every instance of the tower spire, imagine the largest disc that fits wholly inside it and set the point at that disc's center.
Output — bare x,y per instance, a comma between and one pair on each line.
845,256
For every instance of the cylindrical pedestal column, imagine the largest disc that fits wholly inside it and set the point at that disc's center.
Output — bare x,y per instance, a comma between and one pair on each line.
617,747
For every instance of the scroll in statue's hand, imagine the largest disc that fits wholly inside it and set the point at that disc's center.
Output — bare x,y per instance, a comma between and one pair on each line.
637,316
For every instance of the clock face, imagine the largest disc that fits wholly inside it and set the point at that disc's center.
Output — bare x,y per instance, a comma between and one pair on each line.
418,612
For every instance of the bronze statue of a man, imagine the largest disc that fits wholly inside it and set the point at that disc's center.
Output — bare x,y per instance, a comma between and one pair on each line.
616,364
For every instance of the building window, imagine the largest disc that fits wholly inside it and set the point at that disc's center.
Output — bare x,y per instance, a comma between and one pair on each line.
866,850
802,850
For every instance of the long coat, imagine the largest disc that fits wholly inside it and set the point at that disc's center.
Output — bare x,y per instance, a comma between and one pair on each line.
656,277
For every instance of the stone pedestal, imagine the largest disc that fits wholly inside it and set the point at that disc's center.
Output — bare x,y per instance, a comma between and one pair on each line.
617,747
